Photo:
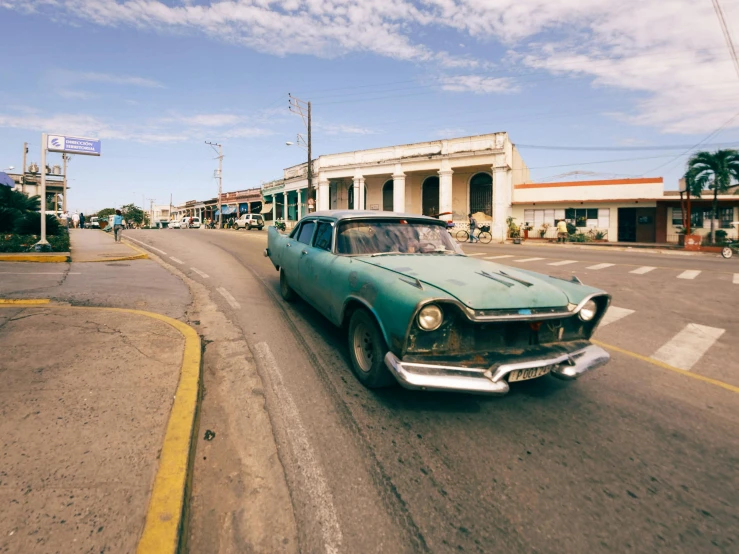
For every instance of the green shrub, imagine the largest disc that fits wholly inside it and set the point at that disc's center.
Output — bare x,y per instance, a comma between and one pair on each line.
30,224
579,237
25,243
571,229
8,218
721,236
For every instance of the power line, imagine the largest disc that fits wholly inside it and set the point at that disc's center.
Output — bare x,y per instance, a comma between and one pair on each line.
620,148
727,34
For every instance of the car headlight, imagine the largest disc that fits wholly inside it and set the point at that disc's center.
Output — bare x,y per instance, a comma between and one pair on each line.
430,318
588,311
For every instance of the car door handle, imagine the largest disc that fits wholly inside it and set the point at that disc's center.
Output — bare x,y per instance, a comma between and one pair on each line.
304,252
288,245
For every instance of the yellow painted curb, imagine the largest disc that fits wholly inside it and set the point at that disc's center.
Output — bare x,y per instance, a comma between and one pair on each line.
663,365
33,301
141,256
166,519
30,257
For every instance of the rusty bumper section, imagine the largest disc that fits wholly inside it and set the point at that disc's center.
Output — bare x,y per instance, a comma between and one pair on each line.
491,380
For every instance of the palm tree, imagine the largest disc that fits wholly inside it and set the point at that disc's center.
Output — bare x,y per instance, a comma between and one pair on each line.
715,172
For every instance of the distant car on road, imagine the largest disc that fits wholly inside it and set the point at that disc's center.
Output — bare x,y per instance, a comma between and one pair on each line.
249,221
420,312
93,223
194,223
175,224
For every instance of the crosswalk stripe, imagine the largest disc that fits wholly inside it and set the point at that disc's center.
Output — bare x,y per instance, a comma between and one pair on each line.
615,313
528,259
689,274
476,254
600,266
564,262
687,347
642,270
736,278
499,257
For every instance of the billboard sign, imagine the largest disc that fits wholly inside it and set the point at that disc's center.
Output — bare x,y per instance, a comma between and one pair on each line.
73,145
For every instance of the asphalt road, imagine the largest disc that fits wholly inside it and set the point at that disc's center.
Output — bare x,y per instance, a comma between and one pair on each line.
634,457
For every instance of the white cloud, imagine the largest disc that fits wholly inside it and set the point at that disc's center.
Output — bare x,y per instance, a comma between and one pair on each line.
75,94
479,84
669,54
450,132
342,129
166,129
66,78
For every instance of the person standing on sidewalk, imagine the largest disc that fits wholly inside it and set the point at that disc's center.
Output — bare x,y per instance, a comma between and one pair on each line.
473,226
82,220
562,231
117,225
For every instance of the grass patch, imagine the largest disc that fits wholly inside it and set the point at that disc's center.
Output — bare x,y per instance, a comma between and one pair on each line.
25,243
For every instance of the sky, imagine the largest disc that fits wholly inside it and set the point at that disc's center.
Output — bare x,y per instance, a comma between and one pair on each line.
585,88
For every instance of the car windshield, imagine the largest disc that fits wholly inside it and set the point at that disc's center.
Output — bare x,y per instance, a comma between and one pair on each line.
397,236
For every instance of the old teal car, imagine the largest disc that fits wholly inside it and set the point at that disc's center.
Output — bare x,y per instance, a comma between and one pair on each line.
418,311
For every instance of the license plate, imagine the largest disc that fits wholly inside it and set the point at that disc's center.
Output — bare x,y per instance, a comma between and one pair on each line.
531,373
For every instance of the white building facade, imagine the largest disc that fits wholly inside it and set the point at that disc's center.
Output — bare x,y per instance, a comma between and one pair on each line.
445,178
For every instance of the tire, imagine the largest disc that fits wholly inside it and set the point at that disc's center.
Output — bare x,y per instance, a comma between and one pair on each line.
259,228
367,351
462,236
485,237
727,252
287,293
248,228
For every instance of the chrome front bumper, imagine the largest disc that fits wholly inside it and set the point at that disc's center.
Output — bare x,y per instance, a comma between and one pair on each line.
492,380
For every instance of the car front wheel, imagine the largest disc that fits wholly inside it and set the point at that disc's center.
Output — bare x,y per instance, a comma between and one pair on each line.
286,291
726,252
367,351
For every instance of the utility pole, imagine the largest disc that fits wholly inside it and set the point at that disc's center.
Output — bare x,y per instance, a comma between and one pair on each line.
220,180
65,159
303,109
23,175
151,212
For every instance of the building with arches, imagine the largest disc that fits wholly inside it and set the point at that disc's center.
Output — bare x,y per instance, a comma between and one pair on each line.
451,177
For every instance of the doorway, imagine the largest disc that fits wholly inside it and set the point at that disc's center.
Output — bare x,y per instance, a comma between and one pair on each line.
387,197
637,224
430,196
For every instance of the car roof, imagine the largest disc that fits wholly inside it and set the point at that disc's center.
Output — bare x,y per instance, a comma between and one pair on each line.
339,215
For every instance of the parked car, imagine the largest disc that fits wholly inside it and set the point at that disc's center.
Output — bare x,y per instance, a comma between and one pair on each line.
420,312
189,223
175,224
93,223
249,221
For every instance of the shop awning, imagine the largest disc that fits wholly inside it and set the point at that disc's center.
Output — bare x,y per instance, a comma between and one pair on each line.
266,208
227,210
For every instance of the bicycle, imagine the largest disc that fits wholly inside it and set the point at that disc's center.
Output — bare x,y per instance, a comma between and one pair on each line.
484,236
729,248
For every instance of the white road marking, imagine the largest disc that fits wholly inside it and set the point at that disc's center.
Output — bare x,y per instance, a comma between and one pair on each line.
642,270
315,482
689,274
499,257
176,260
528,259
146,245
687,347
202,274
600,266
564,262
36,273
476,254
736,278
229,298
613,314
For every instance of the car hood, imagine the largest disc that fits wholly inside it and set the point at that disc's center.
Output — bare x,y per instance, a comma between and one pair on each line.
465,279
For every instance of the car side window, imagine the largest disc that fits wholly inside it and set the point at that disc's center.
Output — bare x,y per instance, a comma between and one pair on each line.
323,236
306,232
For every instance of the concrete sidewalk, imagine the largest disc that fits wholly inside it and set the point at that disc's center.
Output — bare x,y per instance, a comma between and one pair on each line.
93,245
85,400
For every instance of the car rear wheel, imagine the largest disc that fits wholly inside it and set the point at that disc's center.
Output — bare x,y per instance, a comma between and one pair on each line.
367,351
287,293
726,252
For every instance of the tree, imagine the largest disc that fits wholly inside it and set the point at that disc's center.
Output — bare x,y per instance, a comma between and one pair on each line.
715,172
16,200
105,212
133,214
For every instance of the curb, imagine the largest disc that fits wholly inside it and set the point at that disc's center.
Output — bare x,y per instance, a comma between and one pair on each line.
165,528
61,257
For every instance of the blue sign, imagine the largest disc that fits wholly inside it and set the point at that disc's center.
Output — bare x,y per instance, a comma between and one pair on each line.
73,145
